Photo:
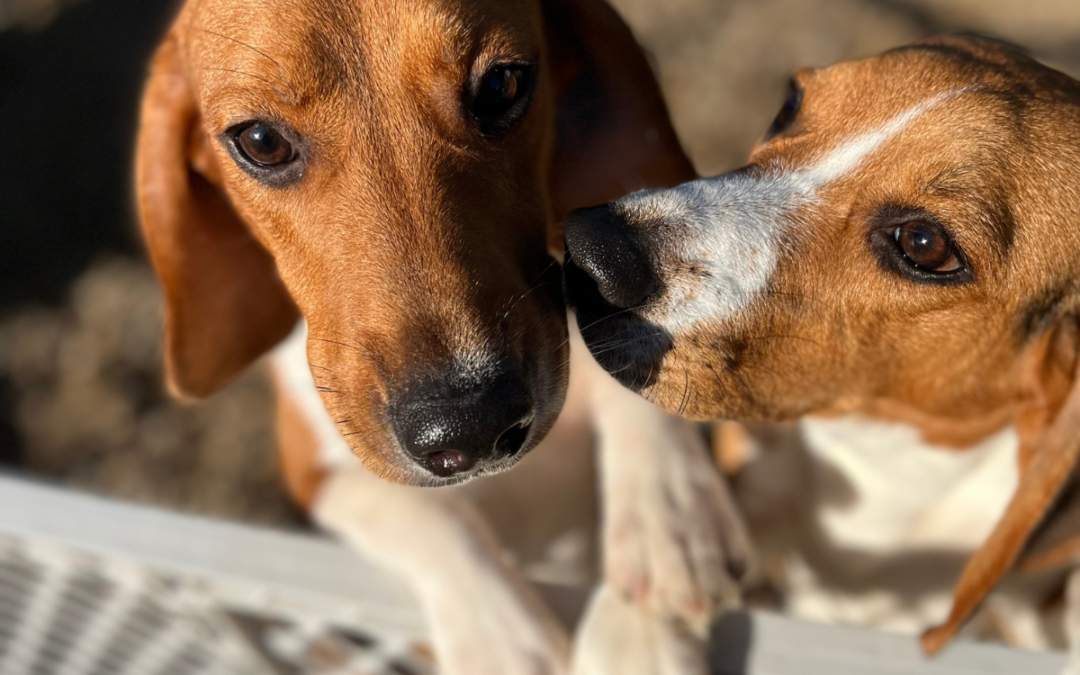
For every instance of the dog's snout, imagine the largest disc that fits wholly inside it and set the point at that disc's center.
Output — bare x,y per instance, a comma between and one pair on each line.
449,429
600,243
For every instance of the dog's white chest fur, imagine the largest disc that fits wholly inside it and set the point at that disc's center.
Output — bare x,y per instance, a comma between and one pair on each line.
291,367
891,521
897,492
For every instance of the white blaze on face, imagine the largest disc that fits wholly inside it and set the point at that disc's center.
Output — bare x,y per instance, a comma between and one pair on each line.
732,226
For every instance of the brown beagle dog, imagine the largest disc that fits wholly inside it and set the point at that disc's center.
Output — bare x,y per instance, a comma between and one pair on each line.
901,251
394,173
390,172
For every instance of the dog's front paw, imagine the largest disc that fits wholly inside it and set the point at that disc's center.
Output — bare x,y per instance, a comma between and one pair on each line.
500,629
618,637
674,541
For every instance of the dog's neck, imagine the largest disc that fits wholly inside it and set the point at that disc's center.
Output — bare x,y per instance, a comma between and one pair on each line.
948,433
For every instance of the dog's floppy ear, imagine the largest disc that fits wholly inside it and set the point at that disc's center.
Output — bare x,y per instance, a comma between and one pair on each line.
1048,422
224,303
613,133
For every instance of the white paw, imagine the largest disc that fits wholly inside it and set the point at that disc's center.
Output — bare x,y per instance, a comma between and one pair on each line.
496,629
674,541
617,637
484,619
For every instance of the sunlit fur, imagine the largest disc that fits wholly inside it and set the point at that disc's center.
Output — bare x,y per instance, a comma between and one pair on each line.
774,302
784,294
414,246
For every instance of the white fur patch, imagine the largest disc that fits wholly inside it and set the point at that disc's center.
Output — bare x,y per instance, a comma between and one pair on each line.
904,493
735,224
484,618
883,496
616,637
293,372
847,157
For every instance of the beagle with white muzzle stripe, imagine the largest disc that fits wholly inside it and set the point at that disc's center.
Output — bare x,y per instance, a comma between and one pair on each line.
904,245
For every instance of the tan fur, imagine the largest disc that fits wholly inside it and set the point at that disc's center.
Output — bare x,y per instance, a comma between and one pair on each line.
989,142
298,452
409,244
398,190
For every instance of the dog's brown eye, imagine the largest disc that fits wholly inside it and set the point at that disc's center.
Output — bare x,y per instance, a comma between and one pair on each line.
498,90
500,96
927,246
264,145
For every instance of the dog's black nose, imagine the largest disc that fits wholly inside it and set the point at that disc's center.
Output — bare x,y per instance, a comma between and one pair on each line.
601,244
449,428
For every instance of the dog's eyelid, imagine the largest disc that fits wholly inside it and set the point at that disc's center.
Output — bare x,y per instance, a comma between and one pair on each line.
240,123
489,61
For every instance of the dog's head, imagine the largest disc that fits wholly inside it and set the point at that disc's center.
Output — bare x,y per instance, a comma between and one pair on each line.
391,171
907,229
904,242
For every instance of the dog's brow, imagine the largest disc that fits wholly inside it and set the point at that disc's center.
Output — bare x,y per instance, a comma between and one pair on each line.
281,81
967,183
953,181
241,43
847,156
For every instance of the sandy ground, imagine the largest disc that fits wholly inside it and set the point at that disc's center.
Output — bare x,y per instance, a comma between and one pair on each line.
80,387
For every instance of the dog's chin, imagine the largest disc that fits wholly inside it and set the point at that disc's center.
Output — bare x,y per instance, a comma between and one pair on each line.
631,349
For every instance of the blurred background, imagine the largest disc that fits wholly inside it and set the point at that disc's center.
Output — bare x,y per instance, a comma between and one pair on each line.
81,396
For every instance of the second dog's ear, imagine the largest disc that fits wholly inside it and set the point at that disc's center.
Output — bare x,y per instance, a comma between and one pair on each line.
613,133
1048,423
224,303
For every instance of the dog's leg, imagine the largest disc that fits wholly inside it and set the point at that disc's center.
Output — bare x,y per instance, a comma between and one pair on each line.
674,540
617,638
485,620
674,543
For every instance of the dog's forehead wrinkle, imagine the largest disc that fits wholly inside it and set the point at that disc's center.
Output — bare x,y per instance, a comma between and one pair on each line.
309,52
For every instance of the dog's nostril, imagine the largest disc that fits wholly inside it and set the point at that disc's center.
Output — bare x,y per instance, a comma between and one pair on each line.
512,440
448,463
